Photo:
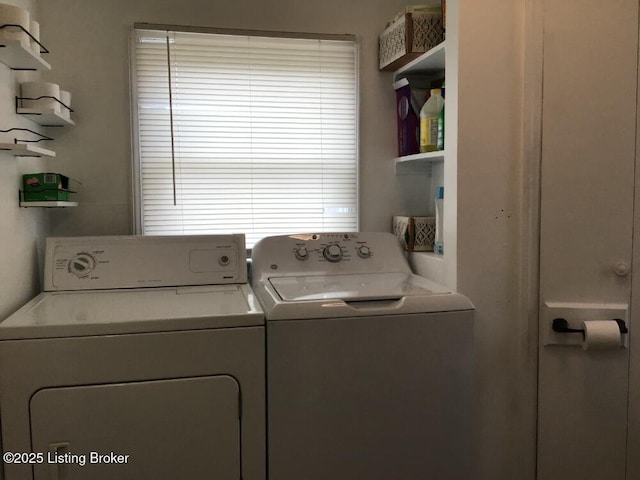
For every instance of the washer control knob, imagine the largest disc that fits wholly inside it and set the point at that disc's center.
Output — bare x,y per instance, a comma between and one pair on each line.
224,260
82,264
364,251
333,253
302,253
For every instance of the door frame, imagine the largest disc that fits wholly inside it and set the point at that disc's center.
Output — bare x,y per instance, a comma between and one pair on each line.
530,226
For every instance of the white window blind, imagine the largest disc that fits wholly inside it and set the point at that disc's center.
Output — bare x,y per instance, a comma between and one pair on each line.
244,133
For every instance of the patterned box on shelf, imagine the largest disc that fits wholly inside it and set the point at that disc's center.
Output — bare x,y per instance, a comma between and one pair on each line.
410,35
416,234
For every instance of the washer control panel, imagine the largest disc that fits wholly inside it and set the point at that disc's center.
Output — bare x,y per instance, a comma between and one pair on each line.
308,254
90,263
331,248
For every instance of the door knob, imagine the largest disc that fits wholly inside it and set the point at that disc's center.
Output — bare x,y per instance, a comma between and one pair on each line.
621,269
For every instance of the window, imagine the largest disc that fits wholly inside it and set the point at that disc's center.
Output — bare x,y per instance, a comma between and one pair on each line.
244,133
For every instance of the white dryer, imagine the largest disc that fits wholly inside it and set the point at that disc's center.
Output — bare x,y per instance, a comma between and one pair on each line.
143,359
369,367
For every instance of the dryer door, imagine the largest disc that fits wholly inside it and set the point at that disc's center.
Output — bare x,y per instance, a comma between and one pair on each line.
179,428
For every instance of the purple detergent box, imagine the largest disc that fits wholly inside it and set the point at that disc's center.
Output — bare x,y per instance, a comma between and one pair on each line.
408,119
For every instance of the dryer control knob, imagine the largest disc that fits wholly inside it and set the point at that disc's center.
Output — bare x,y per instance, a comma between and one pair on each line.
364,251
333,253
82,265
302,253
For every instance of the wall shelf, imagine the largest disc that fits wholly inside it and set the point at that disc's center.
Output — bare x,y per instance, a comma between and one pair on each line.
46,118
417,162
430,62
50,204
26,150
428,264
49,116
15,56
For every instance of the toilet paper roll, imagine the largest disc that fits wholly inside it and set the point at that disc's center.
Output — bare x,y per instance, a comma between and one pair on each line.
601,335
13,15
40,89
34,30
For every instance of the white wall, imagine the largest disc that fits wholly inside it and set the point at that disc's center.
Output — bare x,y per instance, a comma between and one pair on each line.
21,230
89,44
491,236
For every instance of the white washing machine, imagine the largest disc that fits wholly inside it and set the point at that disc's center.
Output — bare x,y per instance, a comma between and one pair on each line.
369,367
143,359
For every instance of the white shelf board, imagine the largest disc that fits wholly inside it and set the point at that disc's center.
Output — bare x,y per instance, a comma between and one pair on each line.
50,204
429,62
14,55
428,264
417,162
46,118
26,150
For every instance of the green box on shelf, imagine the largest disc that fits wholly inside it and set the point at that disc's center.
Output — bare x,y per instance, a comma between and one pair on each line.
45,187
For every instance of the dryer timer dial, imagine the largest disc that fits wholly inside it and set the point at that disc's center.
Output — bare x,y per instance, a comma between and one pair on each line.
82,264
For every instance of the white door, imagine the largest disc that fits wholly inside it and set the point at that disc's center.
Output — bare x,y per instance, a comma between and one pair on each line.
589,130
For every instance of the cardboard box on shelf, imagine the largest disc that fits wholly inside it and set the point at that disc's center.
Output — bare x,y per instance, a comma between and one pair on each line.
45,187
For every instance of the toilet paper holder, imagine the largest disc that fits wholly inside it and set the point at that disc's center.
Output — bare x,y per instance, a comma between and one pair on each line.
562,318
560,325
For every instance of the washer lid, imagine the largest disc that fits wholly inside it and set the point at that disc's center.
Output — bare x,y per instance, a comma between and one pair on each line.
355,287
109,312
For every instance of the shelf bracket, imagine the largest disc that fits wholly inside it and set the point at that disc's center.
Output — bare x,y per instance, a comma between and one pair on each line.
19,103
43,49
17,140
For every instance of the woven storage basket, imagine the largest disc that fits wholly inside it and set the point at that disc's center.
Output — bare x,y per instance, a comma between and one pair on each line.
416,234
408,37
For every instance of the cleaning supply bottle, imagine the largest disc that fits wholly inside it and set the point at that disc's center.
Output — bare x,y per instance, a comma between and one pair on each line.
438,244
429,121
440,137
